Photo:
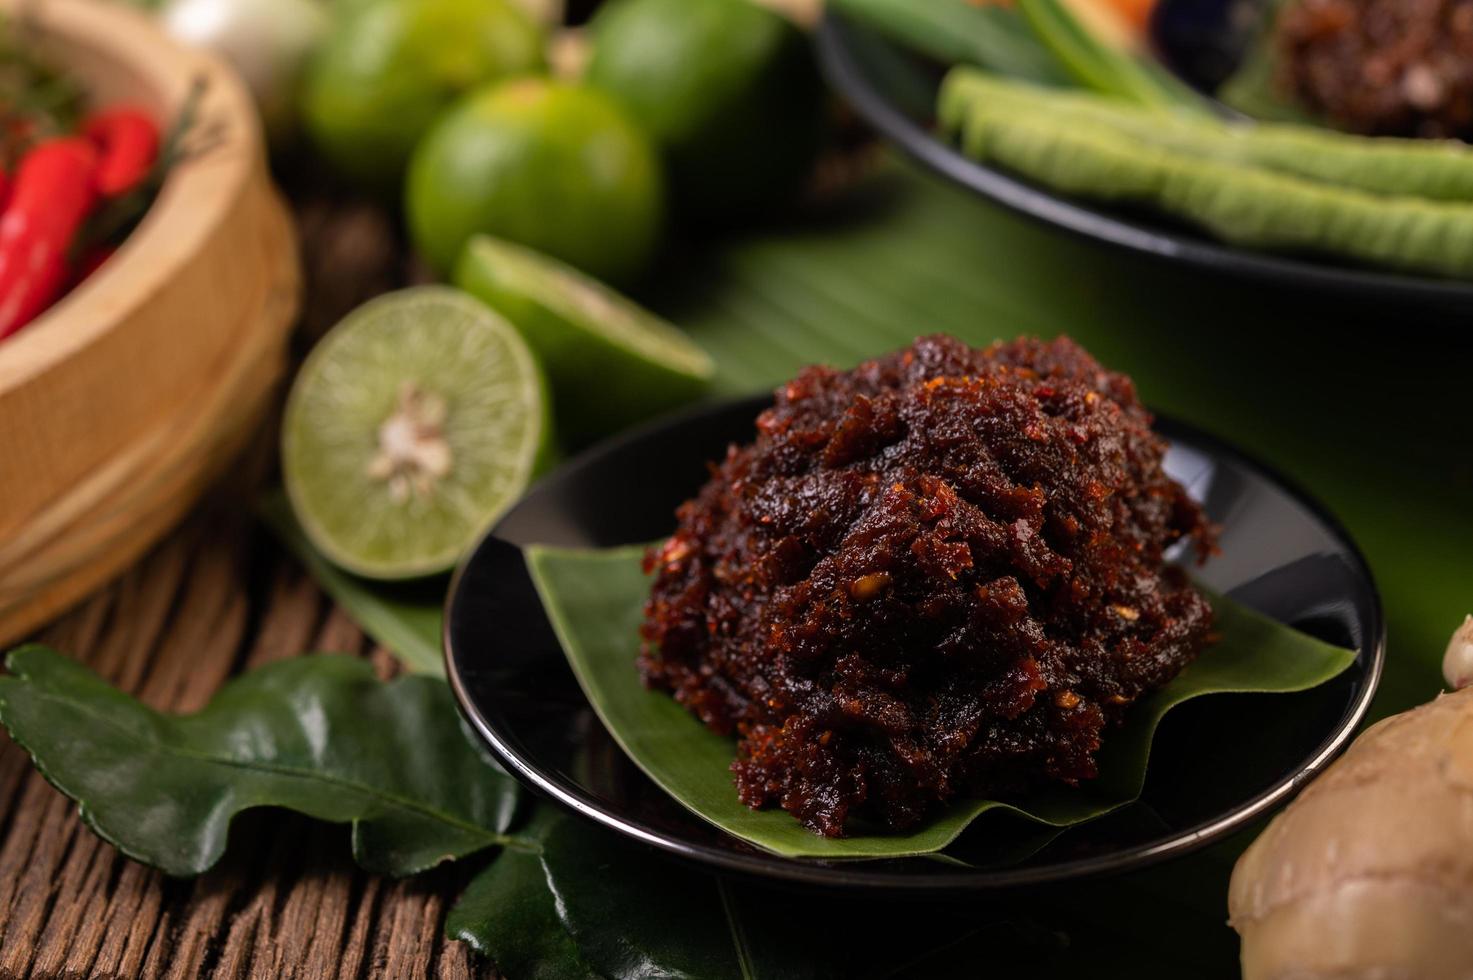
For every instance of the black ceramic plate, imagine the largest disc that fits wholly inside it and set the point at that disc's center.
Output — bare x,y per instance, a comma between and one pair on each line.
1218,762
896,94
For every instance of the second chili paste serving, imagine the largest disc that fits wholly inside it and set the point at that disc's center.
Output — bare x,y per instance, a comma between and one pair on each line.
937,574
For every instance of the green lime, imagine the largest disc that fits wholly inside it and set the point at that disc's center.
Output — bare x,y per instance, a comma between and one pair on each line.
611,362
551,165
411,427
728,90
390,67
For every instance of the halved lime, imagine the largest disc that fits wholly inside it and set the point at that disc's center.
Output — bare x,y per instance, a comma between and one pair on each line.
411,427
611,362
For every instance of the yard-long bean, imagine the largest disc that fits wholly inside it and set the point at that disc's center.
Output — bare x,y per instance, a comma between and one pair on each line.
1239,202
1435,169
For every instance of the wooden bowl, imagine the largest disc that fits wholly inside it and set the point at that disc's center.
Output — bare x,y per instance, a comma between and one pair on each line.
124,401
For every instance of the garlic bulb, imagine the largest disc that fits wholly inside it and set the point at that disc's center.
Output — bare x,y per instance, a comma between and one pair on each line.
1457,663
267,41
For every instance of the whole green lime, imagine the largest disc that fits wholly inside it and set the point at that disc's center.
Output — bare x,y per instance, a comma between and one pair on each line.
728,90
551,165
390,67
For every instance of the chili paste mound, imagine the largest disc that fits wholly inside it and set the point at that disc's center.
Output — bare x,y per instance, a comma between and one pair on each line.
1381,67
938,574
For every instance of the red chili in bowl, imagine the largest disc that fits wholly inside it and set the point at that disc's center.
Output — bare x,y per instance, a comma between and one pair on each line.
55,187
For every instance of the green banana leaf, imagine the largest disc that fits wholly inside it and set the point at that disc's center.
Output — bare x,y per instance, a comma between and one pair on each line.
316,734
595,600
593,906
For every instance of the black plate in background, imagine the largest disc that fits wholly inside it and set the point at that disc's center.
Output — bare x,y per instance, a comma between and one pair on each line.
1204,42
1218,763
896,94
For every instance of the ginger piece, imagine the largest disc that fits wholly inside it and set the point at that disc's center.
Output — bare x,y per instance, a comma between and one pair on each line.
1368,875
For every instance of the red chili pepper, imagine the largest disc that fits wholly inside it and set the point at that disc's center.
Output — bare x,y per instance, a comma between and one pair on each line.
4,190
128,140
54,189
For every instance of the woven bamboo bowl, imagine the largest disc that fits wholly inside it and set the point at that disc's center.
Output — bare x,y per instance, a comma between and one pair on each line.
128,398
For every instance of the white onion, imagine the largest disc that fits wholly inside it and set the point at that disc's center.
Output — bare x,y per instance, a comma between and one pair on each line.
268,42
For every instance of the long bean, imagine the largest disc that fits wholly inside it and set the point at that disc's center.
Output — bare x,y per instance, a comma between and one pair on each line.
1435,169
1239,203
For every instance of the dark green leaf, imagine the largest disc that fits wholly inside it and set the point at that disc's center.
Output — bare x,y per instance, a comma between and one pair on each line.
404,617
510,913
595,602
587,903
317,734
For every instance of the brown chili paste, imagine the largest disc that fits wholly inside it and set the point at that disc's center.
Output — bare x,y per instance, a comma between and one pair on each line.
1381,67
938,574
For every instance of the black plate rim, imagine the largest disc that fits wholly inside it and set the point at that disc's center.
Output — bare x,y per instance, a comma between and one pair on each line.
844,75
852,874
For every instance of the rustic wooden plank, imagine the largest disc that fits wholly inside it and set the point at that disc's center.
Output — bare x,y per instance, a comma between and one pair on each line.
180,953
194,657
314,916
134,911
338,634
294,608
76,905
399,949
354,960
154,964
141,605
250,948
15,766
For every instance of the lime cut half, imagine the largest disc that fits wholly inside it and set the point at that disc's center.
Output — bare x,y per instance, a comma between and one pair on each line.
414,424
611,362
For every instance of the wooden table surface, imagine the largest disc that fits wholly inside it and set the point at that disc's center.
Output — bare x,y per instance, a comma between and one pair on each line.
217,597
